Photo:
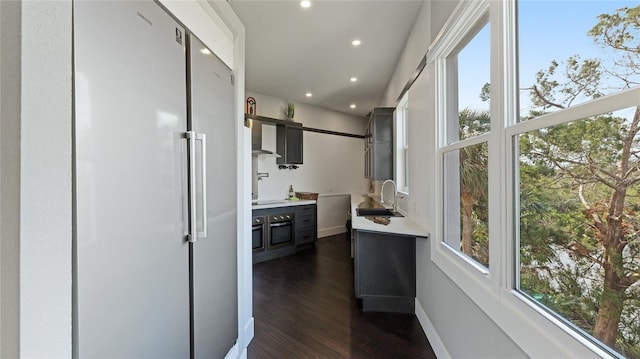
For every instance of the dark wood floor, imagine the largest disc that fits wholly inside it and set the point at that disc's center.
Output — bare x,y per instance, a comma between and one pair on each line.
304,307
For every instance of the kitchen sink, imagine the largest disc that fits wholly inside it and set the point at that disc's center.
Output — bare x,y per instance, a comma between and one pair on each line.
377,212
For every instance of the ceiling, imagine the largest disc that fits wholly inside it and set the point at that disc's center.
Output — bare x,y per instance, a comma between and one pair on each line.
292,50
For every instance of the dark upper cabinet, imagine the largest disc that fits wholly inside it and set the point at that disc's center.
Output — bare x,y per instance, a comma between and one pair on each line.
378,145
289,143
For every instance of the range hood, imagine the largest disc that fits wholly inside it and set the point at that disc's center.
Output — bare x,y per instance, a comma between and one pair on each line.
256,141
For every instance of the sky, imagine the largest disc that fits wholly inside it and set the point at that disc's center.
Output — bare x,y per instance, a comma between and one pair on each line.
548,30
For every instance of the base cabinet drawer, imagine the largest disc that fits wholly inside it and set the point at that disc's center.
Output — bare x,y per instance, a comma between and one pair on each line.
306,220
306,225
306,236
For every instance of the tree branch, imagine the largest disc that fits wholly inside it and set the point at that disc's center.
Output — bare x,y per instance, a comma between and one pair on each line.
541,97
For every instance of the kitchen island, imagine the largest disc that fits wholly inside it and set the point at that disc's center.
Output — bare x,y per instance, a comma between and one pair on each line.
384,259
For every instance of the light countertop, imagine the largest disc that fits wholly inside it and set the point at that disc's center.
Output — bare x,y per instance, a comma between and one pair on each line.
280,203
397,225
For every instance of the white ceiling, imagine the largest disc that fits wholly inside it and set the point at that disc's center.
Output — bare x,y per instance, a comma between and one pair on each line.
291,50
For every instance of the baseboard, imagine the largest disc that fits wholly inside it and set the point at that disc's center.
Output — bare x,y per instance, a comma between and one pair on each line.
239,350
434,339
233,352
243,355
248,333
331,231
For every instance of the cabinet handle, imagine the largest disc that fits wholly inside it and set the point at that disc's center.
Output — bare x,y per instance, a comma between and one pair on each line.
281,224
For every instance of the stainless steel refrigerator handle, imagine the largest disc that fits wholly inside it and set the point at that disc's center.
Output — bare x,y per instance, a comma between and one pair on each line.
203,138
193,207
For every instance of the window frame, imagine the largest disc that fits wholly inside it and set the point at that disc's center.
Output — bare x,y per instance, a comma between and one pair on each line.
617,101
401,135
472,17
494,290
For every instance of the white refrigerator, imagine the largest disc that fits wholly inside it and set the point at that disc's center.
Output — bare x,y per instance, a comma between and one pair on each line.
155,272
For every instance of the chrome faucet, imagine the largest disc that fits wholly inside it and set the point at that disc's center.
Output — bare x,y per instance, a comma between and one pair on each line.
395,194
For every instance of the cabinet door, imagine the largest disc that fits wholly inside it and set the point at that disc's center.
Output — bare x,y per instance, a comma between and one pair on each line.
382,159
294,144
289,143
306,224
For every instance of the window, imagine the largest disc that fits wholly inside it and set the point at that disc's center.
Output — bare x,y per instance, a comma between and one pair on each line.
570,54
402,144
465,155
576,165
539,160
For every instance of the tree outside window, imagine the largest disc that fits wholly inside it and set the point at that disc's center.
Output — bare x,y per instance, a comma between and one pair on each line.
579,189
466,157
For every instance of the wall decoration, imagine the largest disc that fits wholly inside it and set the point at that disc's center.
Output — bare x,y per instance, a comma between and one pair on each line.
251,106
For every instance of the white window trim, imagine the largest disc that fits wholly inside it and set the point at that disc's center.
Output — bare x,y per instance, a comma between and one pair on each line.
467,19
493,290
401,151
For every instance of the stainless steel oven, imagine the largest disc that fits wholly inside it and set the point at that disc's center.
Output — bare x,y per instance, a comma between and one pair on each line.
259,233
280,229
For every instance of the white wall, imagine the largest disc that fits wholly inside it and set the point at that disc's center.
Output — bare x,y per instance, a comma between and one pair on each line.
308,115
36,185
333,209
461,328
331,164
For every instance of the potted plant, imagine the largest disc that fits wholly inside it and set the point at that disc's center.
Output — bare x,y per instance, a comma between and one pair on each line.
290,110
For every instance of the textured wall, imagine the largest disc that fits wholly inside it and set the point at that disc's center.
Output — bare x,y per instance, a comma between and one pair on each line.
45,180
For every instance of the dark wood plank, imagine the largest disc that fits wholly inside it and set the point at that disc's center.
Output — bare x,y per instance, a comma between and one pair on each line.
304,307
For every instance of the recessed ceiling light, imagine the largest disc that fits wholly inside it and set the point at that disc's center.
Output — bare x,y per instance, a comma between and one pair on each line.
356,42
308,94
205,51
353,105
354,79
305,3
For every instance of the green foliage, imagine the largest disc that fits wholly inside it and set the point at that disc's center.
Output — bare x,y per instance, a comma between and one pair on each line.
568,174
485,93
474,162
582,81
290,110
618,31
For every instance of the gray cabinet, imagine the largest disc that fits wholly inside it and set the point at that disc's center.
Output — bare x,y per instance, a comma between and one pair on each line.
276,236
289,143
385,271
282,231
306,225
378,154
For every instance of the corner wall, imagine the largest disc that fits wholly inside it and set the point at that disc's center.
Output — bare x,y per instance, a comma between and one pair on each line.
36,179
